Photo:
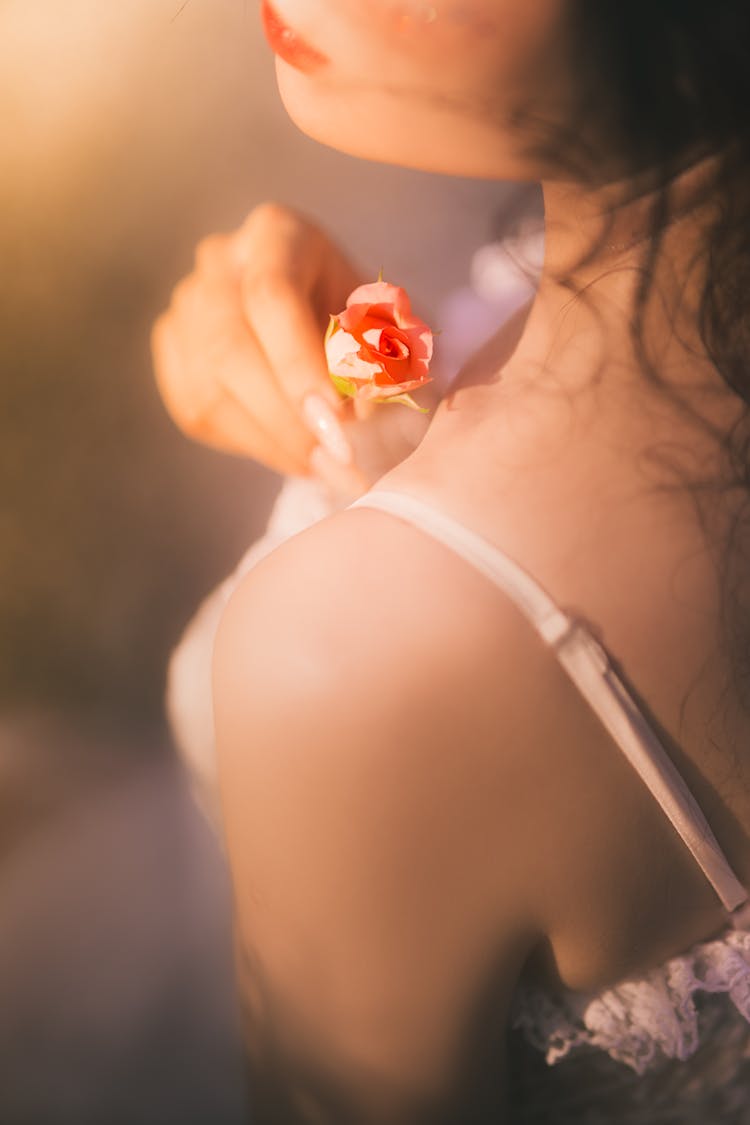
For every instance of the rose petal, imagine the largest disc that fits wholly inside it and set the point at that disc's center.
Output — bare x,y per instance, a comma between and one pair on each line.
339,345
345,355
360,369
373,336
379,346
372,390
388,348
382,293
392,370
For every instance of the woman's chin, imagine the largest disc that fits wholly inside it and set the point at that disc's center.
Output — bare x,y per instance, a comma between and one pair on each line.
370,125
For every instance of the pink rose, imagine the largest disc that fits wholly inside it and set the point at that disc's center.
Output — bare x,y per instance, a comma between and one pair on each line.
377,350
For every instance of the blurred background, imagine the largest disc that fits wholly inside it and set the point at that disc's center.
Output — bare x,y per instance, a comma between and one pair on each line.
130,131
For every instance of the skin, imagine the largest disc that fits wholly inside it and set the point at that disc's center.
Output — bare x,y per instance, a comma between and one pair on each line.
436,94
424,95
553,417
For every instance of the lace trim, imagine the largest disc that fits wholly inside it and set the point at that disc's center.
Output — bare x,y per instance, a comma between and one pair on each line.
641,1020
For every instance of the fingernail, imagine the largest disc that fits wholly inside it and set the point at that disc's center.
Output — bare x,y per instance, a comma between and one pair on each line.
322,421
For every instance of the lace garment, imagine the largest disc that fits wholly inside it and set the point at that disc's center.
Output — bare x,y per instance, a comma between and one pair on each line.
671,1046
646,1018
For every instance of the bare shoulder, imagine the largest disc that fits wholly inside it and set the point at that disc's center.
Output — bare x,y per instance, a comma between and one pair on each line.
380,662
376,799
429,669
413,669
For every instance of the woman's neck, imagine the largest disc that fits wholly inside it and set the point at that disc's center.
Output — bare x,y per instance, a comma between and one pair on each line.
574,342
616,219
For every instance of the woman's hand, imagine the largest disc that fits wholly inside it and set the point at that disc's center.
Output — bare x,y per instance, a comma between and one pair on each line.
240,363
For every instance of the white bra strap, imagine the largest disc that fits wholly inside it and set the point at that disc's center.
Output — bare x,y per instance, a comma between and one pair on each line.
535,604
590,668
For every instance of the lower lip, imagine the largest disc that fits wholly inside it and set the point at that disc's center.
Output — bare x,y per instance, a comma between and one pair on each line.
287,44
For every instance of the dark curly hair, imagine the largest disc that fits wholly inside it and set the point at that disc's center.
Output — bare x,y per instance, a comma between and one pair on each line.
659,86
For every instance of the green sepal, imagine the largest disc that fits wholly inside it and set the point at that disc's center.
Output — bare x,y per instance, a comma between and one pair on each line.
333,324
407,400
345,386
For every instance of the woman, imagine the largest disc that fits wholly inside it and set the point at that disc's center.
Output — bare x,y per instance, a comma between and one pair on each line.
481,827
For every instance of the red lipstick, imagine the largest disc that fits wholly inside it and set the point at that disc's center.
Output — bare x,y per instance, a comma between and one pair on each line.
287,44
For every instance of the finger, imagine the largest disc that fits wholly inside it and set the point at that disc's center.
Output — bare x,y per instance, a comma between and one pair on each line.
213,257
261,425
169,374
188,391
243,372
229,428
272,233
287,329
217,354
282,256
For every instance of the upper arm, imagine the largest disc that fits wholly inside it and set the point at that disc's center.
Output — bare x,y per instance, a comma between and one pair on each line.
373,823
